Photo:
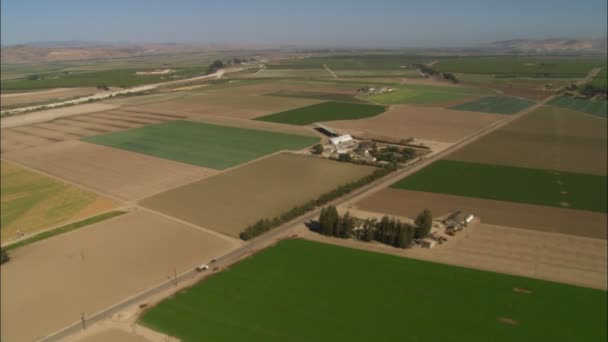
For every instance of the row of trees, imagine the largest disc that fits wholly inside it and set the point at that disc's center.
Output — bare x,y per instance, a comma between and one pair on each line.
215,66
388,230
265,225
3,256
394,154
430,71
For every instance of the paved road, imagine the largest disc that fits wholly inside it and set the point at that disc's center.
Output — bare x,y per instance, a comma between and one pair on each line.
284,230
105,95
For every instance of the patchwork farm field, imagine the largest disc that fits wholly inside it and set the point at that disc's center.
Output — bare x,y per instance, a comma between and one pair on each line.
32,202
598,108
201,144
495,104
426,94
410,203
109,170
325,111
77,272
403,121
516,66
301,285
548,138
514,184
230,201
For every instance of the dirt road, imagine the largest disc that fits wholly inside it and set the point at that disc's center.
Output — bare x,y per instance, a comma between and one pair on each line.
590,76
329,70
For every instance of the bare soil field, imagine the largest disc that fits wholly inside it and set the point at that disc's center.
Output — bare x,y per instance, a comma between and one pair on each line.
511,214
48,285
77,127
51,114
114,335
549,256
116,172
548,138
44,95
226,104
404,121
230,201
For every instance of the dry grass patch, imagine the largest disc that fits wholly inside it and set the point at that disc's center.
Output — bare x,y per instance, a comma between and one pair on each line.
77,272
266,188
32,202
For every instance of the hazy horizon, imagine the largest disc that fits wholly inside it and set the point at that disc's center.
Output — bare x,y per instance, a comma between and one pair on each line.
362,24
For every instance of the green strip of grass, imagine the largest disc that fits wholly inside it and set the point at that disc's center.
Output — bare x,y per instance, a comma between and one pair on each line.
496,104
514,184
301,291
597,108
201,144
326,111
64,229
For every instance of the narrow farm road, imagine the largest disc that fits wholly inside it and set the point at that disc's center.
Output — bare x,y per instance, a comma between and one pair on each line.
329,70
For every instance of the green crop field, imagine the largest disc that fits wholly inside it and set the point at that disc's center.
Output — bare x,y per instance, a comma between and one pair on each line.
419,94
514,66
496,104
514,184
369,62
212,146
326,111
601,80
300,290
117,77
592,107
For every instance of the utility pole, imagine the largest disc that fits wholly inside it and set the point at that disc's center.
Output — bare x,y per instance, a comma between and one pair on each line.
84,324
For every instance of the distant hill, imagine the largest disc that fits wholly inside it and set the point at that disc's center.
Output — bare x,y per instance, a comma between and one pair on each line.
553,45
74,50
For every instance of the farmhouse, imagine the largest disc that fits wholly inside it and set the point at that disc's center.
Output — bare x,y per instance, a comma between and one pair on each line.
343,139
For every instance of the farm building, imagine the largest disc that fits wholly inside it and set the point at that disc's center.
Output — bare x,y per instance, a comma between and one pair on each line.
326,130
343,139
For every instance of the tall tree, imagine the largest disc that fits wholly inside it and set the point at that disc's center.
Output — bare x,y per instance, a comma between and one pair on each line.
424,222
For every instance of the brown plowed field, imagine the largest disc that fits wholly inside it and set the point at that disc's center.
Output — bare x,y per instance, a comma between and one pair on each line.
403,121
49,284
511,214
266,188
120,173
548,138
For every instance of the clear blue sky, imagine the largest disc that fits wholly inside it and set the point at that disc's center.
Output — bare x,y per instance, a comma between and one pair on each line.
372,23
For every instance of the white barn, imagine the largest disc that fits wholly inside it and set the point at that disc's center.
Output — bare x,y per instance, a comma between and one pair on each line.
341,139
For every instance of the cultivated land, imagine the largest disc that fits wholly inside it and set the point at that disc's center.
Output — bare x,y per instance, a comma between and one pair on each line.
76,127
32,202
598,108
495,104
514,184
109,170
436,124
426,94
516,66
206,145
232,200
505,308
226,103
533,217
77,272
325,111
13,99
547,138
